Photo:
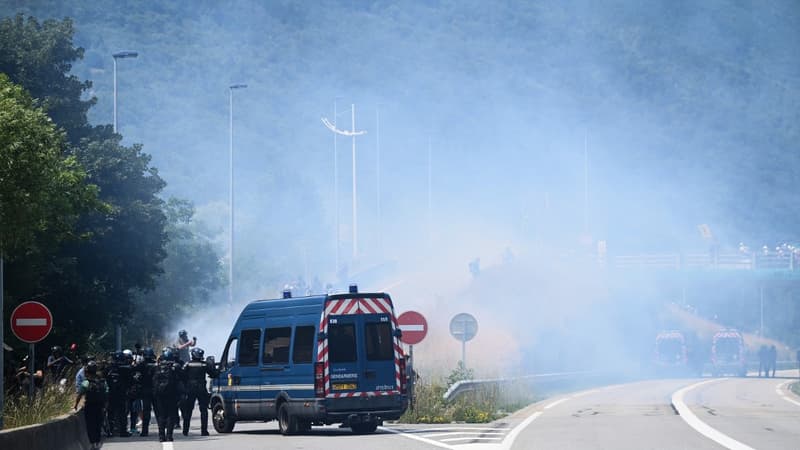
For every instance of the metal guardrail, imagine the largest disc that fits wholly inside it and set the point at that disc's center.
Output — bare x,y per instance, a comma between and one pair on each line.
464,386
731,261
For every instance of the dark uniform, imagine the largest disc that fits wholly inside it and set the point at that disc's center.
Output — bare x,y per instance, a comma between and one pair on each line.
165,390
143,386
118,378
94,390
194,374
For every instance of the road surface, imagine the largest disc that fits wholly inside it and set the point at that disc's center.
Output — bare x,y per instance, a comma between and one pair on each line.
734,413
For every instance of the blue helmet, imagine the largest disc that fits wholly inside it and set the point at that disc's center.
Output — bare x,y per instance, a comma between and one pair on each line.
149,353
197,354
167,354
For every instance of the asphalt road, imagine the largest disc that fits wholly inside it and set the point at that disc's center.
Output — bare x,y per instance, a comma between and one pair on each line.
735,413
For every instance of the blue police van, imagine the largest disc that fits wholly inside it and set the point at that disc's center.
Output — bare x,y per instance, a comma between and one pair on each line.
315,360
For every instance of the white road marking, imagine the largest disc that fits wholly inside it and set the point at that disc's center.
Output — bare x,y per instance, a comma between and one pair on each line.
557,402
779,390
701,427
453,433
472,439
167,446
418,438
509,440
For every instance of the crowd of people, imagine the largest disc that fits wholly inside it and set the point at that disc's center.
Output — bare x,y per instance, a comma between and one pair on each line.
123,390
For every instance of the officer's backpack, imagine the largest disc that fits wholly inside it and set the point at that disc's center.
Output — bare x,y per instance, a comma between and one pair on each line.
164,379
95,392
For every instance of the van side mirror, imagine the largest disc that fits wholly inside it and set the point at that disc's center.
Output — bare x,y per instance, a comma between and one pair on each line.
398,333
322,336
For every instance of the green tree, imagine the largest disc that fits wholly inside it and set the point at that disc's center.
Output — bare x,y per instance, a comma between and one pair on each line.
42,192
39,56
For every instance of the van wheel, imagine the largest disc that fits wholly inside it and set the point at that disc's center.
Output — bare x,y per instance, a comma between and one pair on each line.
364,427
287,422
222,423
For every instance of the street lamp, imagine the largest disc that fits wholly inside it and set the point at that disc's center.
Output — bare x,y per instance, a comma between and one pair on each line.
231,88
119,55
353,133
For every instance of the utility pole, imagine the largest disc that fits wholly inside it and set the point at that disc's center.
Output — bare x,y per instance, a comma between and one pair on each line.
430,192
585,185
353,133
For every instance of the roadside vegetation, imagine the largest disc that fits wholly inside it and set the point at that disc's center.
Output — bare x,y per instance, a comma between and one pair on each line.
795,387
481,405
50,402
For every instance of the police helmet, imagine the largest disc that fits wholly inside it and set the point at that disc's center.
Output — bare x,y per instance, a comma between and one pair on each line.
183,333
91,368
167,354
56,350
149,353
119,357
127,353
197,354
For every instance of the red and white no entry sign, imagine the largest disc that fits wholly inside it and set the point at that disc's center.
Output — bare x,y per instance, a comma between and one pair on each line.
414,327
31,322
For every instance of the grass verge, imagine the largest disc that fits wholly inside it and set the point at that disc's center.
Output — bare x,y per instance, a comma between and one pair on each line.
50,402
481,405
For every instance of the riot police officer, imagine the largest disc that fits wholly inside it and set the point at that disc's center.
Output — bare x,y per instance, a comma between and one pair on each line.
143,386
165,390
195,372
118,378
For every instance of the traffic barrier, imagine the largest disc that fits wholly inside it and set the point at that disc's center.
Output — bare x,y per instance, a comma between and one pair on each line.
67,432
542,380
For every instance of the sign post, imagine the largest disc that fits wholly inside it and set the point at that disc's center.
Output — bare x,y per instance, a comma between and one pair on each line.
463,327
31,322
414,328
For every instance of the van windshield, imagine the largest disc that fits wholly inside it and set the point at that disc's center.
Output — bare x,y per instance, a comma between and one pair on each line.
341,343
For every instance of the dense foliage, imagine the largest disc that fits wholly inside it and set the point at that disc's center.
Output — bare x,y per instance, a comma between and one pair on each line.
85,228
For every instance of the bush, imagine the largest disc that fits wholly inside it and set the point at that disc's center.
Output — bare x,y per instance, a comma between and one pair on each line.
482,405
50,402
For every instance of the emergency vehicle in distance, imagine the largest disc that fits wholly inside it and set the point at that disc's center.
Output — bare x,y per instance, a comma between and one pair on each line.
670,353
728,353
315,360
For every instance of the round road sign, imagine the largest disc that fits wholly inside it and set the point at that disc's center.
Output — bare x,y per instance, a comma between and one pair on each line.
414,327
31,322
463,327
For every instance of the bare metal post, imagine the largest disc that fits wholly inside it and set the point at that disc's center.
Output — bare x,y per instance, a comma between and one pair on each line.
355,188
336,184
378,173
31,371
230,190
430,194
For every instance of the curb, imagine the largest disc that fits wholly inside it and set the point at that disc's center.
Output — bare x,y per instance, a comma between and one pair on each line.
66,432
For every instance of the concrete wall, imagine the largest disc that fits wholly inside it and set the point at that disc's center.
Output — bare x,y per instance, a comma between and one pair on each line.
66,432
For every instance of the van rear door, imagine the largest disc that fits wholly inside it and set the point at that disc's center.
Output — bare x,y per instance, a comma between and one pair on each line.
345,365
379,354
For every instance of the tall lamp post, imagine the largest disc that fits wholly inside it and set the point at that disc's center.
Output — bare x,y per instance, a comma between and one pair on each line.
352,133
119,55
231,88
116,56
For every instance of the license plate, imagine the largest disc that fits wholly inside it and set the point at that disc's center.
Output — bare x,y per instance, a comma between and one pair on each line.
344,386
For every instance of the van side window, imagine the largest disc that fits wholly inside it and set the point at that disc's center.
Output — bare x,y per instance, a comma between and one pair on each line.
342,343
276,345
303,344
379,341
229,355
248,350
